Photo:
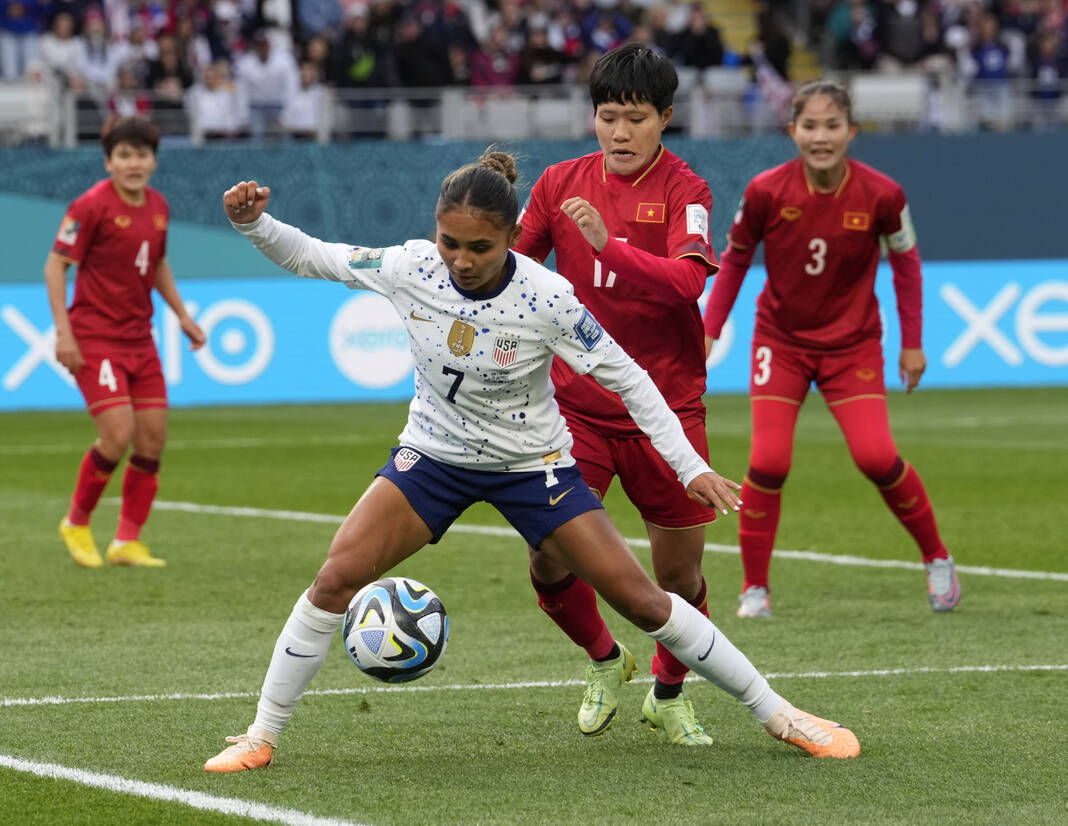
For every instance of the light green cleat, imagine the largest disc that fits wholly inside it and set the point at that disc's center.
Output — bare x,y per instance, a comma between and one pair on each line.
601,700
676,718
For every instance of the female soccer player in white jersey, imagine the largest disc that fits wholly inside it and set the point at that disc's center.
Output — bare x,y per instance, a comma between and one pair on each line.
484,324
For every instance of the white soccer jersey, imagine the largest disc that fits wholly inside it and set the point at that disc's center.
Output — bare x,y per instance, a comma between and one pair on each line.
483,398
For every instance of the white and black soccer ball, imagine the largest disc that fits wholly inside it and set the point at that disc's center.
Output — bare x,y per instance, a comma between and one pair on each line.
395,629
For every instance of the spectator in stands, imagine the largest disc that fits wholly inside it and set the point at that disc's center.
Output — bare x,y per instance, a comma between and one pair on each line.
655,19
317,51
216,104
1049,71
97,57
699,44
494,64
316,18
194,46
540,63
852,28
606,30
987,64
361,60
305,108
899,29
421,61
128,98
267,76
59,48
21,22
459,66
168,79
137,51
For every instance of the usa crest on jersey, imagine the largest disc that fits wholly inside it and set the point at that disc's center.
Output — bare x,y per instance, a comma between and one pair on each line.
405,458
505,350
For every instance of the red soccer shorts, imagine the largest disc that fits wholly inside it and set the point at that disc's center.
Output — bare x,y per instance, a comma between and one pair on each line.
649,482
784,371
117,373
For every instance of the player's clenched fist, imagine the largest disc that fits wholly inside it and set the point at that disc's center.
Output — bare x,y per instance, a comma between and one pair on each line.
244,202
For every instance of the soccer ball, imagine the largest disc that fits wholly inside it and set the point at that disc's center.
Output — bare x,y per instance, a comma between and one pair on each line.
395,629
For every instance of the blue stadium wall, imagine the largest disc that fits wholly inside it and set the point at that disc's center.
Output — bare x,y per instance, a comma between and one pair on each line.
988,209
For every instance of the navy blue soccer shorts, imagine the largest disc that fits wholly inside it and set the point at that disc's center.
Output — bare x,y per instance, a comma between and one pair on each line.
535,502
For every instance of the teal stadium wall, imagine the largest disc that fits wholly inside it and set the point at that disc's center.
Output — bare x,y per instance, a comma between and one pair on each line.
974,197
988,209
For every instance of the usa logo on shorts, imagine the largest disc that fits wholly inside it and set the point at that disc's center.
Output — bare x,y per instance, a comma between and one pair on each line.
505,350
404,459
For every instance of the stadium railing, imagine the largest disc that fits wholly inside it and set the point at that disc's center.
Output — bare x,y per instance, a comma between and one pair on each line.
718,102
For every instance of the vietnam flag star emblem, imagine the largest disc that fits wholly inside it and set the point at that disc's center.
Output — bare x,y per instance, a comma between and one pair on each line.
651,213
856,220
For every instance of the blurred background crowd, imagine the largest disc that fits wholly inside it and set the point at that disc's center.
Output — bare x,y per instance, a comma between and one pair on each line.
264,67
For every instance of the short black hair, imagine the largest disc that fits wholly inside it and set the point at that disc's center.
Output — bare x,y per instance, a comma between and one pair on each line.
634,74
136,131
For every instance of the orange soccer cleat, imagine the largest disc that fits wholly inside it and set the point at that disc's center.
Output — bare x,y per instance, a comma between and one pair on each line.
818,737
252,750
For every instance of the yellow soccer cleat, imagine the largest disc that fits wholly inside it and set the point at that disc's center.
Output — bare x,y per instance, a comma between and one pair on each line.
601,700
79,541
252,750
676,718
818,737
134,553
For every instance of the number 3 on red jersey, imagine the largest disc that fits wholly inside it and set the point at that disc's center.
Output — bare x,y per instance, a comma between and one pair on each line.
763,363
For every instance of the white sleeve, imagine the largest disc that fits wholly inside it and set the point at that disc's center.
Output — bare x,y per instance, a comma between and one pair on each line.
309,257
619,373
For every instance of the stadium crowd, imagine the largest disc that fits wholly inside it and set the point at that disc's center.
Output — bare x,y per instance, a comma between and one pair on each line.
252,65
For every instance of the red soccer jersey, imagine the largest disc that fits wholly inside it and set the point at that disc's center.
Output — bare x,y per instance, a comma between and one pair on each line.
662,210
821,251
116,247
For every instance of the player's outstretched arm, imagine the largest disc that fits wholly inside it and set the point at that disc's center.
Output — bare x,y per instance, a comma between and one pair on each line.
245,201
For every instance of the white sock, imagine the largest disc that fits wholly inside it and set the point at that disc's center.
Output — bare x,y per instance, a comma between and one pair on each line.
698,643
298,656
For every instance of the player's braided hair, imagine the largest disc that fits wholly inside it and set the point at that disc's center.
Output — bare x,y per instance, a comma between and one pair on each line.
486,186
833,90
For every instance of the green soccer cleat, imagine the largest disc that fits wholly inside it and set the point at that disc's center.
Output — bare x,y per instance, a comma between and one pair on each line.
676,718
601,700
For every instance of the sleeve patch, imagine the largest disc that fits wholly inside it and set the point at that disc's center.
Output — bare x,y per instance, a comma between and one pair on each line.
697,221
905,238
364,258
68,231
588,330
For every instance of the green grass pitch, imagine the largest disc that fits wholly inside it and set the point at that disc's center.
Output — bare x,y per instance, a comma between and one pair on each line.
124,681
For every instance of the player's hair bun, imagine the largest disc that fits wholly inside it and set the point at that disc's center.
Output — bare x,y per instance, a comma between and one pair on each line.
500,162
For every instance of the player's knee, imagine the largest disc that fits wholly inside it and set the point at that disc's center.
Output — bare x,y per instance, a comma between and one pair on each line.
768,476
883,470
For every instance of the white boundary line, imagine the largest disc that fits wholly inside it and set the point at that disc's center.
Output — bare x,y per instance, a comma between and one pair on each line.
489,530
171,794
526,684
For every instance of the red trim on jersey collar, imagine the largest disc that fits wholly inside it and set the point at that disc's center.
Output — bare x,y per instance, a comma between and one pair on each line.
642,174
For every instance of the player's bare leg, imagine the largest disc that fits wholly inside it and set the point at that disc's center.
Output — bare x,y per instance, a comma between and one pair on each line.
381,531
592,547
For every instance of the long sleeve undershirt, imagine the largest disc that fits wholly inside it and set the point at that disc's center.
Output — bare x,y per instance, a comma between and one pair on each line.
670,279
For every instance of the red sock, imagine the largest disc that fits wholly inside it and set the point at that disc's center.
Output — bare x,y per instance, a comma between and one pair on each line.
93,476
757,523
572,604
907,500
139,485
666,668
